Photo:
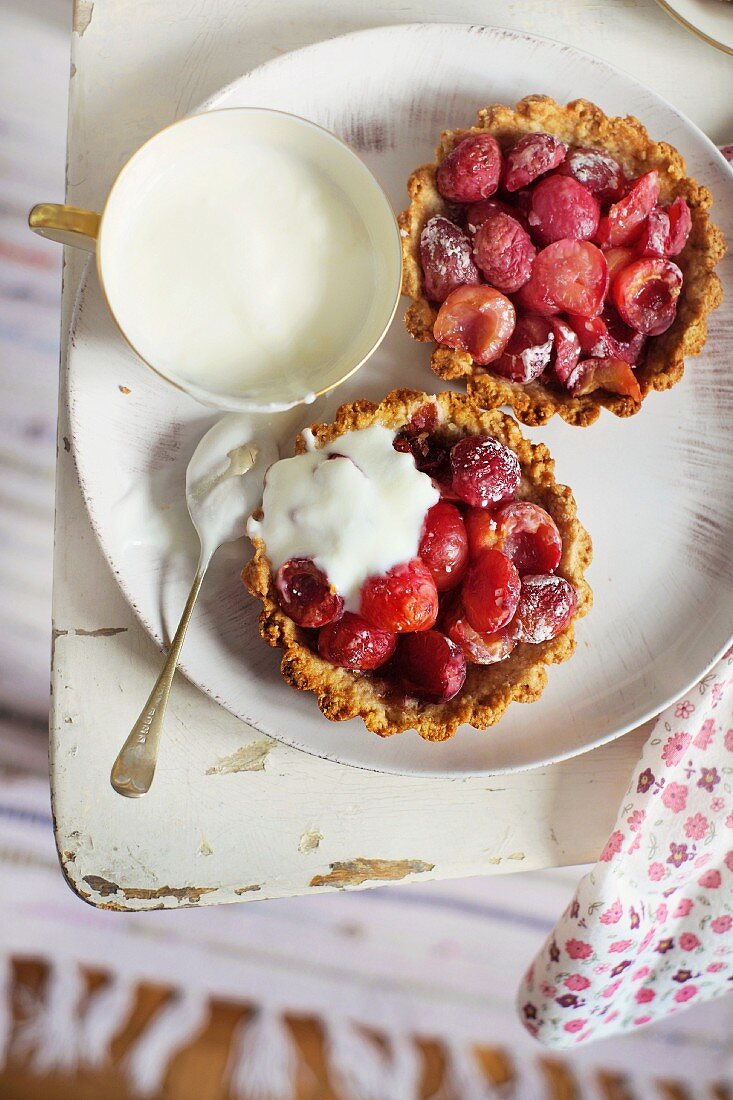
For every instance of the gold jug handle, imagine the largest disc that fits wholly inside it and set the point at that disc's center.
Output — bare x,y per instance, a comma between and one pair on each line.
65,224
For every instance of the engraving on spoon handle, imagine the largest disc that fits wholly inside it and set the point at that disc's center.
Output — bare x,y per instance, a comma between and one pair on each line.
133,770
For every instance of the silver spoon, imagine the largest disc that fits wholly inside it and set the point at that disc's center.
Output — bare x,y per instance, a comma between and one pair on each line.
219,501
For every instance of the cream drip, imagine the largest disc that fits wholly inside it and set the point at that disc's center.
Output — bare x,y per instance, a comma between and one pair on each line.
356,507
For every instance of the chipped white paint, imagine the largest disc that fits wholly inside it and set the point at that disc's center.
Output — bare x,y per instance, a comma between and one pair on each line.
309,840
249,758
83,12
166,58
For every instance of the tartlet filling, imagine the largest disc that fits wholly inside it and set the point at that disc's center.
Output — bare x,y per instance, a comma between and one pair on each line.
412,553
555,266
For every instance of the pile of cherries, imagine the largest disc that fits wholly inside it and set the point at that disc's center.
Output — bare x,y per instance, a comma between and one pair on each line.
484,579
556,266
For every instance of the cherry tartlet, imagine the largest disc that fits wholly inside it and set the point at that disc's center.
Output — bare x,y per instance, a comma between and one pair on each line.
486,597
561,260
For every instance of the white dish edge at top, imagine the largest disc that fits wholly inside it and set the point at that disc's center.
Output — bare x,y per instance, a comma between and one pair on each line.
709,20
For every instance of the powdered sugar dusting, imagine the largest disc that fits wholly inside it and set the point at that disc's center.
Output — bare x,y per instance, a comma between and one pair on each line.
536,358
546,604
446,247
445,255
532,155
585,162
596,170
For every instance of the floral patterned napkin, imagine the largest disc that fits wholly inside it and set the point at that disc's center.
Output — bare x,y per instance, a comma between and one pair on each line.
650,928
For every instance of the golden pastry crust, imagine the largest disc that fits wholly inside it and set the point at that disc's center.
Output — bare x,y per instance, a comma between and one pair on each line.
579,123
489,689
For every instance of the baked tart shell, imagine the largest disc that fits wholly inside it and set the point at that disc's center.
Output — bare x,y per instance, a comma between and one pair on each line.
489,689
578,123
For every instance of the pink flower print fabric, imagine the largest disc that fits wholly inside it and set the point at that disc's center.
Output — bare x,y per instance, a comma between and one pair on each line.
650,929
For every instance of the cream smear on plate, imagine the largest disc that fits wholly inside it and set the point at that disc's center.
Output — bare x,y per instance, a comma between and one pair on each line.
240,264
356,507
226,472
222,490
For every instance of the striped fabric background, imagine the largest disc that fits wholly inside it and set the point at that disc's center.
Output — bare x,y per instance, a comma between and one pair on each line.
33,84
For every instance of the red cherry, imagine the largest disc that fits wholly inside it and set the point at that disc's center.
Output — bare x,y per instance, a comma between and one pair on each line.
532,156
432,457
479,648
305,595
403,599
528,351
430,666
567,349
529,537
609,373
607,335
490,591
480,529
654,239
424,419
504,252
624,221
680,225
478,212
471,171
623,341
502,246
568,276
351,642
596,170
444,545
445,255
562,208
645,294
484,470
617,259
522,200
476,319
546,606
591,332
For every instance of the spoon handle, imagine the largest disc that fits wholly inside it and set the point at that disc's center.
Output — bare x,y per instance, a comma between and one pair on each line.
134,768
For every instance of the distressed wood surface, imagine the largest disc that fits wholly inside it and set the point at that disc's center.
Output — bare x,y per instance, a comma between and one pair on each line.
264,820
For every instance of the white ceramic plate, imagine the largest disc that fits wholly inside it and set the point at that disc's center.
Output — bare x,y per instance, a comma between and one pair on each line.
711,20
655,491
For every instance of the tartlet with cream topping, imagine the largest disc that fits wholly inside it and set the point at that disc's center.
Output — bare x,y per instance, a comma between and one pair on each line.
418,564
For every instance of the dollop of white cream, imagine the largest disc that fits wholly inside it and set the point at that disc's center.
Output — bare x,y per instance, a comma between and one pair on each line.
356,507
